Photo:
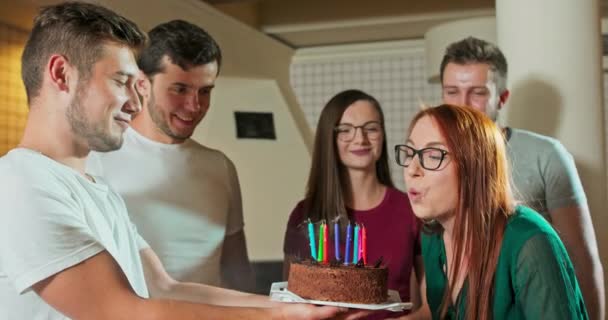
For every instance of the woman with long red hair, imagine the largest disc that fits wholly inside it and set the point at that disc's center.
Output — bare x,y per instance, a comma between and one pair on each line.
485,257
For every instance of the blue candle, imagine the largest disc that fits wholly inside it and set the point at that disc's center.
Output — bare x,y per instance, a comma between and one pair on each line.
337,241
311,238
356,245
360,252
348,240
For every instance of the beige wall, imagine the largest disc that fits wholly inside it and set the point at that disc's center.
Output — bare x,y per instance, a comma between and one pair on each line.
246,12
19,14
272,173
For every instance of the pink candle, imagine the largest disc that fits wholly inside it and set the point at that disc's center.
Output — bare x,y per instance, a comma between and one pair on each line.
364,246
324,242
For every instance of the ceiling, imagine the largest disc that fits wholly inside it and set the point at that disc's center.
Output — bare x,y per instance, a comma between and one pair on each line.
309,23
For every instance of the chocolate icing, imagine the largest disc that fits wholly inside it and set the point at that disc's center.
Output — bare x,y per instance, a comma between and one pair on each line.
363,284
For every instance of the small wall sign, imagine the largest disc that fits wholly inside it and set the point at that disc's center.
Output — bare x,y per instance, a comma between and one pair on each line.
254,125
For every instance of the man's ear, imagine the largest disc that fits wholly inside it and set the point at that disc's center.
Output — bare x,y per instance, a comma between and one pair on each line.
502,99
143,85
61,72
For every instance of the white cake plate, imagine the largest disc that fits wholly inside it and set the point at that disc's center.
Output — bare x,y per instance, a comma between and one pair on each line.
279,292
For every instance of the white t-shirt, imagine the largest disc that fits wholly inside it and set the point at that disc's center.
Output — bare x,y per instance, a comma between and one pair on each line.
53,218
183,198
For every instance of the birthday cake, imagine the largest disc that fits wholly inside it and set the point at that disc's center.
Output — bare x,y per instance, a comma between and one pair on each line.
337,282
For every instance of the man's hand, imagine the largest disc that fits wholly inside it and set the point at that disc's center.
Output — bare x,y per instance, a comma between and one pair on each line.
310,312
297,311
352,314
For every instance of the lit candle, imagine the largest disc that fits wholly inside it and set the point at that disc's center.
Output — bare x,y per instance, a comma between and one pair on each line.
349,230
320,253
364,249
325,243
356,245
360,253
311,240
337,241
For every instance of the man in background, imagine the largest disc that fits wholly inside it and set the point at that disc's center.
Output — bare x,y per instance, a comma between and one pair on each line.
474,73
184,197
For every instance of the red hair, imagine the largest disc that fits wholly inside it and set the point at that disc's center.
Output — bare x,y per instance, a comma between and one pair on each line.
485,201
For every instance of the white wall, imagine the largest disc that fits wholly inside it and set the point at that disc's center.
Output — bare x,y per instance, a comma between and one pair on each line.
272,173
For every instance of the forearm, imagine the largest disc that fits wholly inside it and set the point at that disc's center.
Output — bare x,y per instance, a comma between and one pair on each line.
590,277
160,309
577,233
155,309
199,293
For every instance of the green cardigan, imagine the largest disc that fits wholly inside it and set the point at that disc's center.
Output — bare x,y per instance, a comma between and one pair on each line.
534,278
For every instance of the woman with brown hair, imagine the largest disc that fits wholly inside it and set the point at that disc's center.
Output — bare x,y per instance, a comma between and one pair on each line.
350,182
484,256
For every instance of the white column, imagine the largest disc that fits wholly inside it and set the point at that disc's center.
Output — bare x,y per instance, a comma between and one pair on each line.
555,75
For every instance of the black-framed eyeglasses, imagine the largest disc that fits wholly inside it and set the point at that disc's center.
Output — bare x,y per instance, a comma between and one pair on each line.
347,132
430,158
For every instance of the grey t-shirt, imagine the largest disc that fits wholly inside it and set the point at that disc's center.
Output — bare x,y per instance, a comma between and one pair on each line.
543,172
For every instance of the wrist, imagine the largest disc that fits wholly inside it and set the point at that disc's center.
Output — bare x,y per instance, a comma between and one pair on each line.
276,313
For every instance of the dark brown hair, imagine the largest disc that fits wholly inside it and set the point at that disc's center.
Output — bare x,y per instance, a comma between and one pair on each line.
473,50
327,181
187,45
78,31
485,201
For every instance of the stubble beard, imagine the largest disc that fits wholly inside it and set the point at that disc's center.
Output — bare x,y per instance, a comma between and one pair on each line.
160,122
96,135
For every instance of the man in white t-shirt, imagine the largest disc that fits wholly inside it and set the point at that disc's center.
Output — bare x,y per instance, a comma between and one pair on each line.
67,247
183,197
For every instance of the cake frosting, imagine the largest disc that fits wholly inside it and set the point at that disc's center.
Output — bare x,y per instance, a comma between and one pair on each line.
339,283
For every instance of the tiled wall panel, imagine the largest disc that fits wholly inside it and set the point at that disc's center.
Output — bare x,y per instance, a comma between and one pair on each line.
13,102
397,81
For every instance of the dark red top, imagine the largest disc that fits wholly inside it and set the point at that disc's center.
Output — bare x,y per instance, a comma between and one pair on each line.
393,232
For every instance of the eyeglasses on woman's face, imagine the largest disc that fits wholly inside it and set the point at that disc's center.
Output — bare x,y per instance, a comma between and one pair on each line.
347,132
430,158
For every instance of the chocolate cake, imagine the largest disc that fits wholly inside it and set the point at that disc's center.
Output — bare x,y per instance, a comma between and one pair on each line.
352,284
